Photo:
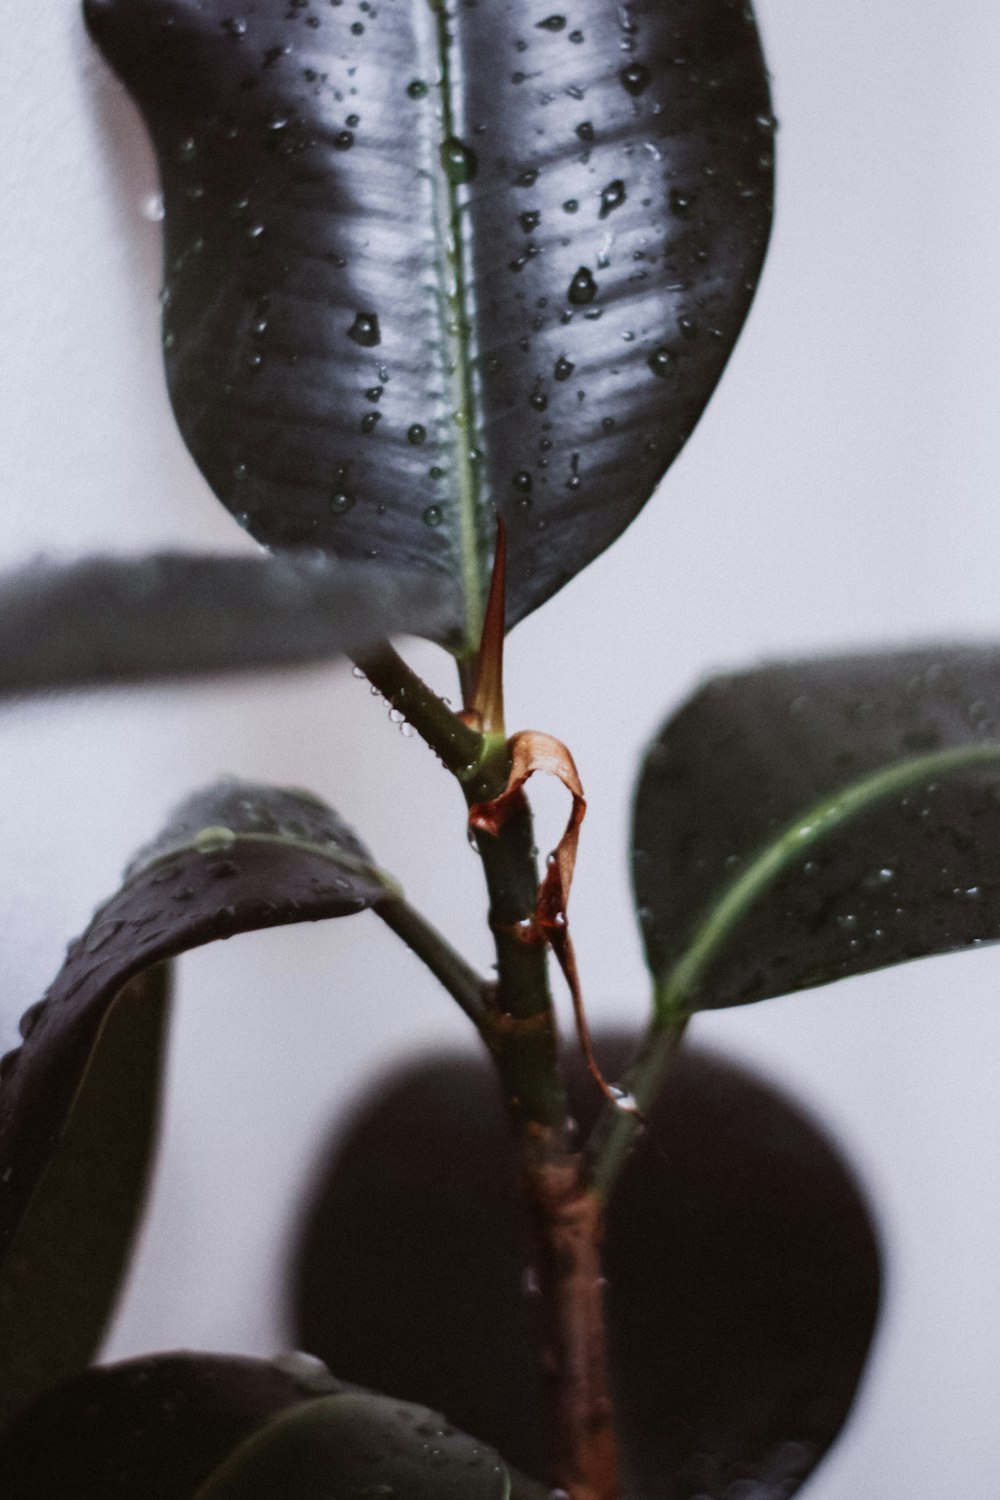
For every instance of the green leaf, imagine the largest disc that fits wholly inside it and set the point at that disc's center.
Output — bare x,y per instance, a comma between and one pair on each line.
236,858
60,1274
742,1268
121,619
433,264
154,1428
359,1445
808,821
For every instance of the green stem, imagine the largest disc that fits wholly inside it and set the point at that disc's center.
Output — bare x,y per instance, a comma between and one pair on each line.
445,962
522,1034
456,745
617,1130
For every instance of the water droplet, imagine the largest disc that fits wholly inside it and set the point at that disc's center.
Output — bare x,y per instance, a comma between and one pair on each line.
188,149
417,89
585,131
635,78
551,23
370,421
357,28
583,287
570,206
527,178
612,197
210,840
576,36
530,220
433,515
343,140
563,368
688,327
365,330
538,398
522,481
660,362
100,933
234,26
416,434
341,502
458,160
152,208
681,203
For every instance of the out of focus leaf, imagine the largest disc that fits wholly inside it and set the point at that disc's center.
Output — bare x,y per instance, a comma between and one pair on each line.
361,1445
743,1275
61,1271
126,619
76,1125
808,821
148,1429
426,264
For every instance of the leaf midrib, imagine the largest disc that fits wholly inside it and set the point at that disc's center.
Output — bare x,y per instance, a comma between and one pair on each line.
463,425
673,991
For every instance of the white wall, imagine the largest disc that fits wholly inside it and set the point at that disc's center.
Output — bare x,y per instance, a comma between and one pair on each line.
840,490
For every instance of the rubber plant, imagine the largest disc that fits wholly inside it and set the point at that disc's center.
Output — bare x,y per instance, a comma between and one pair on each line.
446,288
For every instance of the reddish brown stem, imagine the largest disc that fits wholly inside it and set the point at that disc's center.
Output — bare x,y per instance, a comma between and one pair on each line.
571,1229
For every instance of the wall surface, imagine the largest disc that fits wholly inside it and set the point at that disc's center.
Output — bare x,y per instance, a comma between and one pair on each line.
841,490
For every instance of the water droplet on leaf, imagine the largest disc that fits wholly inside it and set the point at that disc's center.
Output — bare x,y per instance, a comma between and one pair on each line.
209,840
458,160
583,287
612,197
365,330
635,78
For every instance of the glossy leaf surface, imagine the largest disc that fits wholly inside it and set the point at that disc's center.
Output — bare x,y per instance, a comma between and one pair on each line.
234,859
808,821
116,619
358,1444
426,264
156,1427
60,1275
743,1275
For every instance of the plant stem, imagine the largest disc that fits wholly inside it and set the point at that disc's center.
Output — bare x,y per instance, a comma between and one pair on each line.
445,962
456,745
617,1130
572,1230
522,1036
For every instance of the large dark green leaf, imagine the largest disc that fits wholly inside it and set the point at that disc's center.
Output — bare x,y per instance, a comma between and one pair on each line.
360,1445
177,1426
808,821
743,1275
154,1428
425,264
76,1125
121,619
